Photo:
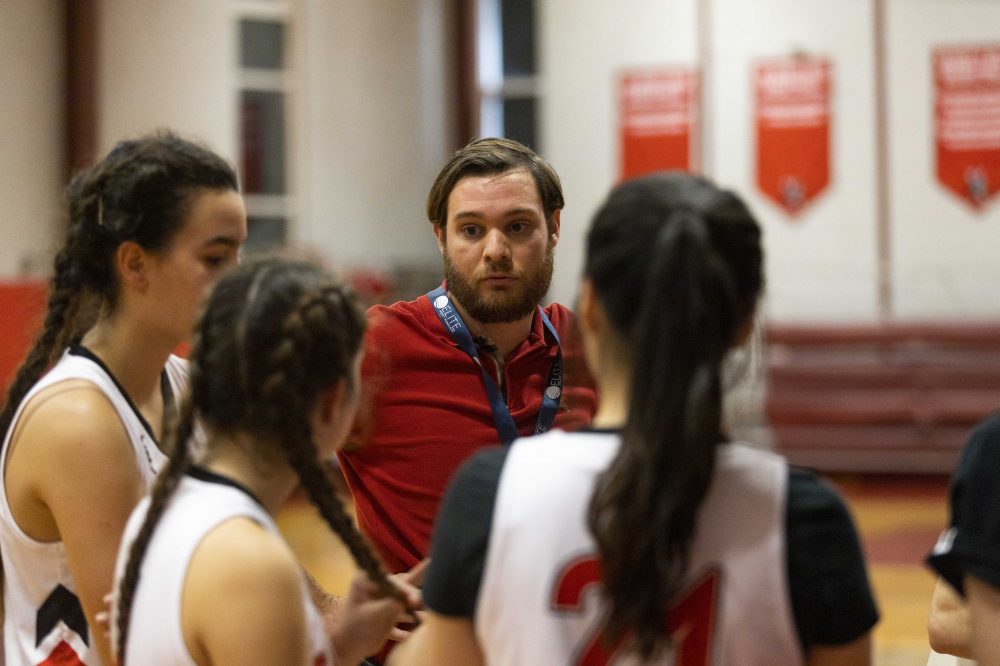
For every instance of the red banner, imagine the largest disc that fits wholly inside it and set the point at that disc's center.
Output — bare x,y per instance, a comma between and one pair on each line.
967,121
793,130
658,120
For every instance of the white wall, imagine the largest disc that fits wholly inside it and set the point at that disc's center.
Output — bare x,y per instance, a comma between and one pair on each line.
822,264
944,253
31,139
167,64
583,48
377,121
368,121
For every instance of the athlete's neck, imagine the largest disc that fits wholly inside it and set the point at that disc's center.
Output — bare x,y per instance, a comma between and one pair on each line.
505,337
613,398
136,361
233,457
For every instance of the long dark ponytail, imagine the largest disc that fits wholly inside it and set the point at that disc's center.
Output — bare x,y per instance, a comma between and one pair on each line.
676,265
273,336
140,192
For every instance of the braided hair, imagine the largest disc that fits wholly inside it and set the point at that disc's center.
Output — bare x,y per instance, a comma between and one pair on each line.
676,264
140,192
274,335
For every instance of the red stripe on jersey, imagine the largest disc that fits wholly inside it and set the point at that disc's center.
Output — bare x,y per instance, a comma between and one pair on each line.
62,655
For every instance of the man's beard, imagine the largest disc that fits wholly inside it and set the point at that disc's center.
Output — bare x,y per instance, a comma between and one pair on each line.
501,306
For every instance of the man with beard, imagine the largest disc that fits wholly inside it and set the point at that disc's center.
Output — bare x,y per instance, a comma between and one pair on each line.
474,363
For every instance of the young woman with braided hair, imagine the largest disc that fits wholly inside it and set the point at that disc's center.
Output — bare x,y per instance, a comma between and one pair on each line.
150,227
274,380
650,538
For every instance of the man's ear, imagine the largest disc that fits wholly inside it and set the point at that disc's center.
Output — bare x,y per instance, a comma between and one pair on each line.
440,234
133,265
554,231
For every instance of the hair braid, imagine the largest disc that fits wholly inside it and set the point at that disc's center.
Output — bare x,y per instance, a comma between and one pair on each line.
317,317
60,308
274,337
322,494
58,328
141,191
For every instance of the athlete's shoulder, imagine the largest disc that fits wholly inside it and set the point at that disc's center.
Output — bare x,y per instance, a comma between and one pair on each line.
813,499
73,412
248,587
983,445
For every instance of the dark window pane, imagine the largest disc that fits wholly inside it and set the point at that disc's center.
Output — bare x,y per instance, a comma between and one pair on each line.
519,120
264,233
517,19
262,121
262,44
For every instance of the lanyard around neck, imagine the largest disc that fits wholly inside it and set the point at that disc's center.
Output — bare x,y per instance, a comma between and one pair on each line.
502,419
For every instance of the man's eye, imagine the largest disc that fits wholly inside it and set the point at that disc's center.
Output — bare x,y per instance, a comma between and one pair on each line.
215,261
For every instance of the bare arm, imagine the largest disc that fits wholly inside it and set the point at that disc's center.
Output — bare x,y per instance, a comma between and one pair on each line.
440,640
73,478
984,606
329,606
949,625
369,618
856,653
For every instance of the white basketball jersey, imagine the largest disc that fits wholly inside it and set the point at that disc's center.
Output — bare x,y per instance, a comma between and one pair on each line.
43,621
539,598
196,508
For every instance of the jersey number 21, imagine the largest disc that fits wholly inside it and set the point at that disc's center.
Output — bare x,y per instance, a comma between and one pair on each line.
689,621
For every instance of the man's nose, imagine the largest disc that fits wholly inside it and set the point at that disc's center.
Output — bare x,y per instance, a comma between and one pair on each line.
497,248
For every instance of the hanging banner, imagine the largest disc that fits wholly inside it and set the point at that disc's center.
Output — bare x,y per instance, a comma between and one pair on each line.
793,130
967,121
658,117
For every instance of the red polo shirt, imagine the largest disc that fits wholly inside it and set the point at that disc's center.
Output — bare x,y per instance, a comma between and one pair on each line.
425,410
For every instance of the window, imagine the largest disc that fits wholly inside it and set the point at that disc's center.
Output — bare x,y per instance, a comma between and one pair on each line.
263,121
506,71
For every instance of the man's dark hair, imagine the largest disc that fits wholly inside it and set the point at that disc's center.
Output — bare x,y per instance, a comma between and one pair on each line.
485,157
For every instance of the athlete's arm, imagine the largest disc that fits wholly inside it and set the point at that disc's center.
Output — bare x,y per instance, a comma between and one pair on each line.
73,477
330,606
984,605
949,624
368,618
242,601
439,640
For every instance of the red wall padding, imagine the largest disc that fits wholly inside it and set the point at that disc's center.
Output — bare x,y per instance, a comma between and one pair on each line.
22,307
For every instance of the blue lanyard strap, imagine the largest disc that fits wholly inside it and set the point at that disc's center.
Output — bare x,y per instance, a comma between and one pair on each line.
502,419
